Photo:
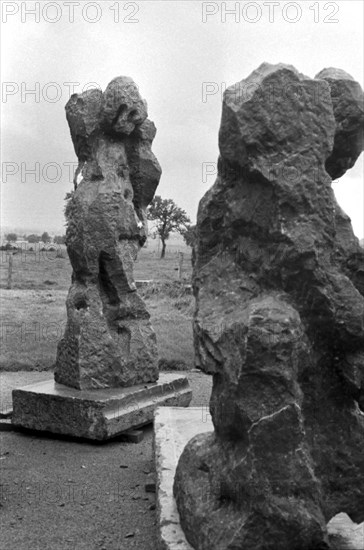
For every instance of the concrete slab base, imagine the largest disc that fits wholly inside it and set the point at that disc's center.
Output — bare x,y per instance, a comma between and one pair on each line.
173,428
171,433
95,414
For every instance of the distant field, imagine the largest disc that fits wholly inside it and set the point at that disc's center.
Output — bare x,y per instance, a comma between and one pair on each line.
43,269
33,312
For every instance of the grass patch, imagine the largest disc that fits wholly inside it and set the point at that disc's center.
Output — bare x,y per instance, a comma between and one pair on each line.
36,271
174,333
32,322
33,314
150,266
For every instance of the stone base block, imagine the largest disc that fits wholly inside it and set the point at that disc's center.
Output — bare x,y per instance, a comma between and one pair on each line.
171,433
95,414
173,428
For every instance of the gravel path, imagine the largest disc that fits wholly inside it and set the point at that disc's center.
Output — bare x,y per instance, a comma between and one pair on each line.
65,495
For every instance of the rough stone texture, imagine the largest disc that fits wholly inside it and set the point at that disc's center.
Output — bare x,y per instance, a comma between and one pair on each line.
95,414
108,341
347,102
173,428
279,322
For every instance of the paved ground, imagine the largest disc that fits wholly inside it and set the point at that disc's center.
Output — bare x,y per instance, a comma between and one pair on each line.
65,495
57,494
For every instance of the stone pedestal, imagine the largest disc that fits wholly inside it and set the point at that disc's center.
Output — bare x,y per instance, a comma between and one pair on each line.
172,431
106,371
95,414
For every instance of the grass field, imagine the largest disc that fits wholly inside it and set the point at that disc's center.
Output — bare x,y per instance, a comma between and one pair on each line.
33,312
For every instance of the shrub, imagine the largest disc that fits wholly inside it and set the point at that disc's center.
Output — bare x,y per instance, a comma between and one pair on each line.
8,246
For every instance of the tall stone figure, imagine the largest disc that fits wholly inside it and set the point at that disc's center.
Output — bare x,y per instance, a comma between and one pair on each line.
279,321
106,379
109,340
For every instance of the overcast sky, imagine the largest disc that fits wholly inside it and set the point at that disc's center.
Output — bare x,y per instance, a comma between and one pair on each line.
174,50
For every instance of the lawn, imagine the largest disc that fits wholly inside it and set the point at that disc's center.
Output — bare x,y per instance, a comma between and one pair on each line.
33,312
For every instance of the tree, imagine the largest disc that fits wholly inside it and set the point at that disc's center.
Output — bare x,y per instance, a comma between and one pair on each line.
59,239
45,237
168,217
11,237
33,238
189,235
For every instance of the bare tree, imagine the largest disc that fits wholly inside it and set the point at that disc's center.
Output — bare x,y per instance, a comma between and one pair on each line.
168,217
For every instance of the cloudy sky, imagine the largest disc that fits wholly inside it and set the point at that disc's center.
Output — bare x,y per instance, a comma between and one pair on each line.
181,55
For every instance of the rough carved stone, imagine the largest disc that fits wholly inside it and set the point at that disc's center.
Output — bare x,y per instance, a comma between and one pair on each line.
347,102
279,321
109,340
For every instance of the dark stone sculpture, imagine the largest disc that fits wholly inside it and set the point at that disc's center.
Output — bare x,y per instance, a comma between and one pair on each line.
279,321
109,341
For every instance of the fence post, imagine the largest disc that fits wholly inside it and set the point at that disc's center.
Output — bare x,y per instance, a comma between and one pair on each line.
180,264
10,272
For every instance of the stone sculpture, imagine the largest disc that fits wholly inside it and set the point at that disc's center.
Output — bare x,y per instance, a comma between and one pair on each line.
109,340
106,379
279,321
